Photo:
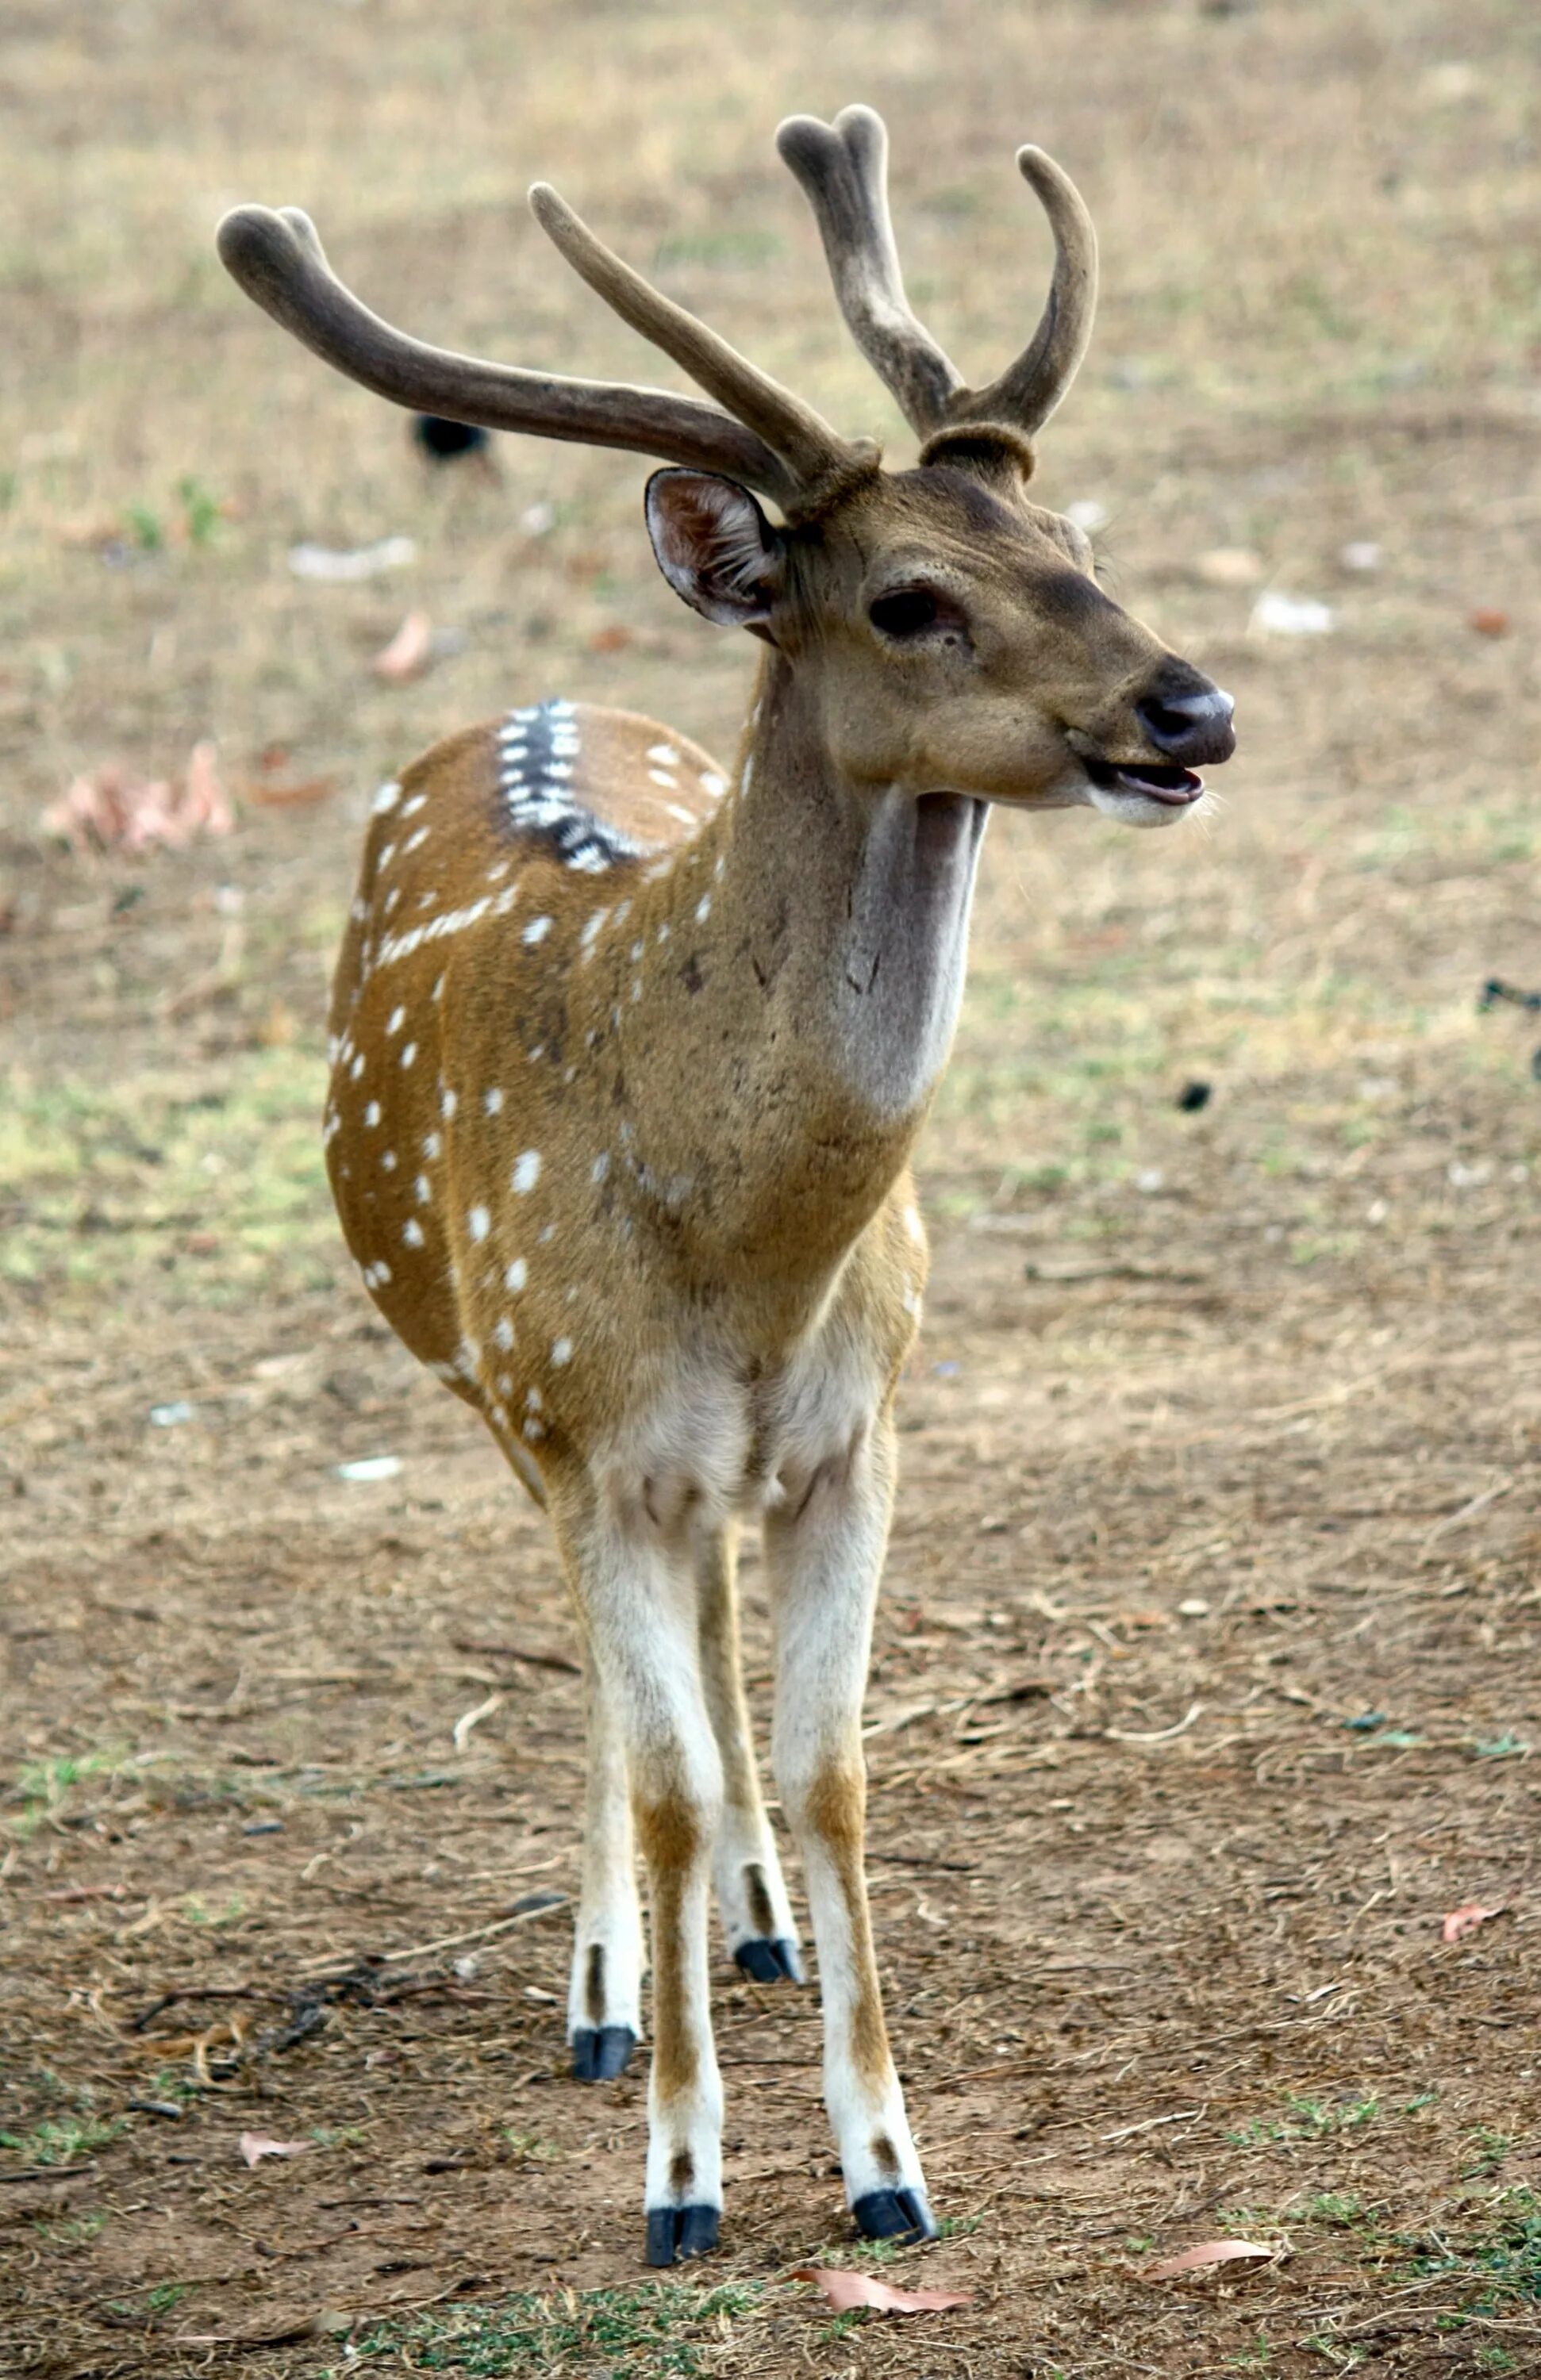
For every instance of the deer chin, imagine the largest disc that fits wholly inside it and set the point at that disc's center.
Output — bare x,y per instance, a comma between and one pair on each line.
1140,793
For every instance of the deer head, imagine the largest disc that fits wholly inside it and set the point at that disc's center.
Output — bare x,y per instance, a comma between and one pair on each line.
947,633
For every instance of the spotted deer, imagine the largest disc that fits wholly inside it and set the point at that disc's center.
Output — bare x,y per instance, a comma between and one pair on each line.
630,1051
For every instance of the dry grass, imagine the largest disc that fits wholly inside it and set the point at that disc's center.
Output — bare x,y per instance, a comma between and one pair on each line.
1222,1436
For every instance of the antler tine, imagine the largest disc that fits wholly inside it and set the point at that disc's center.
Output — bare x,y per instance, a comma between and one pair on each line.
1029,391
791,428
279,262
844,171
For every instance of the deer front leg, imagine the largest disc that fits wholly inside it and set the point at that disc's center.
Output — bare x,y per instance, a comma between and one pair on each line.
826,1549
605,1992
637,1589
756,1914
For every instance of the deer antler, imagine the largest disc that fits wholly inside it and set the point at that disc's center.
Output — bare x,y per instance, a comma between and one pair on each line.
770,440
844,170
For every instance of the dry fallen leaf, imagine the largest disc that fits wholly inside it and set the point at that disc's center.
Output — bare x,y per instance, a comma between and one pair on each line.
1207,2253
846,2289
255,2146
1489,621
1466,1919
113,804
274,794
409,652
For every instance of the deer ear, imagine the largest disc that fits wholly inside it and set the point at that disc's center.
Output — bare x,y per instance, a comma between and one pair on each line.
715,547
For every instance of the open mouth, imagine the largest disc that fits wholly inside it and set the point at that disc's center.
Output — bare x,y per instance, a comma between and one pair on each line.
1176,788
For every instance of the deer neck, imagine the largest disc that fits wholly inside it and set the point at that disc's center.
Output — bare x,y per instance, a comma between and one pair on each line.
819,941
871,890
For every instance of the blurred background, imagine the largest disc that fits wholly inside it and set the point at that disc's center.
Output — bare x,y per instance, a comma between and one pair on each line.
1229,1394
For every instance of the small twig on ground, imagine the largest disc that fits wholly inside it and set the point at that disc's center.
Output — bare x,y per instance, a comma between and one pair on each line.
1152,2123
1161,1735
518,1653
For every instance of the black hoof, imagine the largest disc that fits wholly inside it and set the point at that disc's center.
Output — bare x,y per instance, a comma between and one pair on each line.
894,2214
675,2232
770,1962
599,2052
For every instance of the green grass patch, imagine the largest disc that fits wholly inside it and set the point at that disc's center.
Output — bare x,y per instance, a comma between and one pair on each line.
1493,2258
659,2329
60,2139
43,1785
225,1190
1306,2118
71,2231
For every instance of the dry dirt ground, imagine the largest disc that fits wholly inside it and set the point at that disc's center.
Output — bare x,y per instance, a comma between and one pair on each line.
1207,1674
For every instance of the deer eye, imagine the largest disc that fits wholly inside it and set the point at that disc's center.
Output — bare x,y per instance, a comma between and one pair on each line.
907,611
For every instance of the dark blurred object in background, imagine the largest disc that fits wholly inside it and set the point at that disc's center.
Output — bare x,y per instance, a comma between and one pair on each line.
447,441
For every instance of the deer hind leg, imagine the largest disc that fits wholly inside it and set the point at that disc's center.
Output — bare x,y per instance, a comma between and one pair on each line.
637,1589
751,1896
825,1548
605,1991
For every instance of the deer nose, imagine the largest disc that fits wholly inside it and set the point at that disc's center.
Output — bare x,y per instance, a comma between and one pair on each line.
1190,723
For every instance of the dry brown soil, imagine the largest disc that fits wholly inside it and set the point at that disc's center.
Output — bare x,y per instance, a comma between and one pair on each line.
1206,1677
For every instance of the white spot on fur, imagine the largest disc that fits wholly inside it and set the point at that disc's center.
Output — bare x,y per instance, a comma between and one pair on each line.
516,1275
493,1101
424,1189
397,1019
432,1145
388,1161
371,1114
703,908
408,1053
503,1331
479,1222
447,1105
714,784
527,1170
601,1166
914,1225
386,799
412,1232
665,754
562,1351
537,930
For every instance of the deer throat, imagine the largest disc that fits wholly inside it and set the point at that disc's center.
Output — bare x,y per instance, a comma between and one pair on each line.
896,963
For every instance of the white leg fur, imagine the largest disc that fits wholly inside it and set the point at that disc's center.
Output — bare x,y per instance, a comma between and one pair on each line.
635,1579
825,1548
604,1996
751,1895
